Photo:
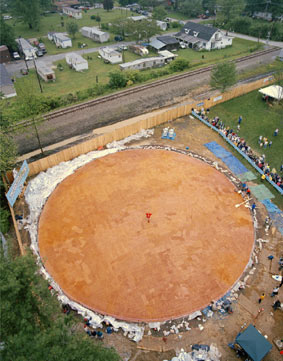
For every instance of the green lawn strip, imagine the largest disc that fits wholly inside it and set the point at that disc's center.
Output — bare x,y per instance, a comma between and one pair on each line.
276,66
52,22
258,119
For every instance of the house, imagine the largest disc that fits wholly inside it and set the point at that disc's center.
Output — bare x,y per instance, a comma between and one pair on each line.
142,64
46,73
4,54
110,55
202,37
161,24
76,61
74,13
26,49
138,49
164,43
6,84
262,15
60,40
95,34
167,55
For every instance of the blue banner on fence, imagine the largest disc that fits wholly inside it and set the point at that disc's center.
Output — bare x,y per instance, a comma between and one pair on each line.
17,185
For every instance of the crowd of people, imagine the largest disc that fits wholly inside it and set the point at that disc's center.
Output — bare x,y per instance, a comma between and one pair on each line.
240,142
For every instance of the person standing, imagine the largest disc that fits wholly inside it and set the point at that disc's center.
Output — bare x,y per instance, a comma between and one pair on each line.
261,298
240,119
276,131
253,207
274,292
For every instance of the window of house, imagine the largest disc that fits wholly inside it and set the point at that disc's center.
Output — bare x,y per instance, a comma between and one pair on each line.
195,33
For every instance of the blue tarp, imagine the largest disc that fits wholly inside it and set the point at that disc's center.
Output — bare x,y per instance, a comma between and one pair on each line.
254,344
275,214
232,162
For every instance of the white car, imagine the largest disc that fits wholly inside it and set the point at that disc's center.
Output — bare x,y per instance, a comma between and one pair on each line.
16,55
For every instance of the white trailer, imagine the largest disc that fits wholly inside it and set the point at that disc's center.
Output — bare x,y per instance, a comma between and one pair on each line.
76,61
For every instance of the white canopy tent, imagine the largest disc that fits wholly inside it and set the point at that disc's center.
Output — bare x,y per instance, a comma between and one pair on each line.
273,91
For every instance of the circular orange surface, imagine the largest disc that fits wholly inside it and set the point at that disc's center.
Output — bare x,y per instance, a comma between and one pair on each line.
98,246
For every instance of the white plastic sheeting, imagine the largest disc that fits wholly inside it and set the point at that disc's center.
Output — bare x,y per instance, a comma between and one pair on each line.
212,355
144,133
37,193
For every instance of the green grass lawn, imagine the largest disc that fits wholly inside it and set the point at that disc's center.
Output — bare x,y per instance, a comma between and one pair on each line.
52,22
258,119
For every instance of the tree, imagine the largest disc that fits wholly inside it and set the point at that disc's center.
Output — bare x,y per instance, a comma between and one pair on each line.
7,36
28,11
192,8
179,65
72,28
209,5
32,324
159,13
107,5
223,76
227,10
117,80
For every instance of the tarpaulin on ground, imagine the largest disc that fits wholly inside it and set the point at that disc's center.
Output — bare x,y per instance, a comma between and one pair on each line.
275,214
261,192
254,344
232,162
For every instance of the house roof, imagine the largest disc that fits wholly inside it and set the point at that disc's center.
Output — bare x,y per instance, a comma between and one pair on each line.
187,38
78,58
140,61
167,54
111,51
44,69
167,39
3,48
61,36
156,44
138,17
93,30
203,31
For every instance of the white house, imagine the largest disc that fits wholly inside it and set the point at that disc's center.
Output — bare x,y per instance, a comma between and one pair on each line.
74,13
161,24
202,37
60,40
26,48
110,55
137,18
95,34
142,64
167,55
76,61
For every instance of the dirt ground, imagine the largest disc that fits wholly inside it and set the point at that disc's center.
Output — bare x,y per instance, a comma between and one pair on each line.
218,330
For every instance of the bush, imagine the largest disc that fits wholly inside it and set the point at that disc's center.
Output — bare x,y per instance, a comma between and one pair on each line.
117,80
133,75
93,17
82,94
104,26
175,24
4,220
60,67
179,65
98,19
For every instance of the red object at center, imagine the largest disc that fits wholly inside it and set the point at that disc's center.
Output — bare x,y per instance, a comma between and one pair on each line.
148,215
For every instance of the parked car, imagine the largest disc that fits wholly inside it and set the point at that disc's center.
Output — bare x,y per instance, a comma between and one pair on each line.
39,52
118,38
16,55
41,47
122,47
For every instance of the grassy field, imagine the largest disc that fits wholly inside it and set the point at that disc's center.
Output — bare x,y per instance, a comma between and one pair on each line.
259,118
52,22
69,80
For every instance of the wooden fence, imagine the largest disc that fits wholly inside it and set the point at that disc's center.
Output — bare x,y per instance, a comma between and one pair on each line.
134,125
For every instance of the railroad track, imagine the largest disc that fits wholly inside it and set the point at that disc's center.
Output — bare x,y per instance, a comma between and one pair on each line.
137,89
